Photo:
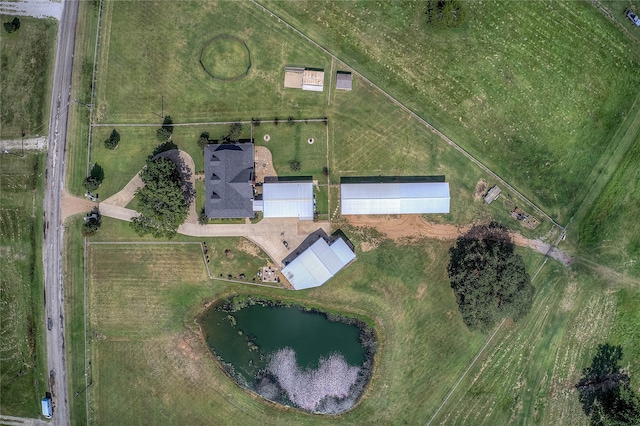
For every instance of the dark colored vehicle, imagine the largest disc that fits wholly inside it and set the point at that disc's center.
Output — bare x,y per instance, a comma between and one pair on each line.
633,17
49,324
286,244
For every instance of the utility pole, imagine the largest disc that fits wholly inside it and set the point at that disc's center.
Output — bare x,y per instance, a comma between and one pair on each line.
163,107
22,140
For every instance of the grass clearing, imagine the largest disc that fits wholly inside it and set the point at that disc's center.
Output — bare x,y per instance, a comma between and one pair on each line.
521,88
23,370
609,233
26,71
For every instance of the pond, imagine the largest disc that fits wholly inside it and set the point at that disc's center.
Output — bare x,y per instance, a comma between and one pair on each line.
310,360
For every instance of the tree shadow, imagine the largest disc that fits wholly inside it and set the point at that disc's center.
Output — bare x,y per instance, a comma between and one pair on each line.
98,172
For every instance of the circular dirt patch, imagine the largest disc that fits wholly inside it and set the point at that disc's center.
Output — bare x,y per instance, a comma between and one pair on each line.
310,140
226,58
267,138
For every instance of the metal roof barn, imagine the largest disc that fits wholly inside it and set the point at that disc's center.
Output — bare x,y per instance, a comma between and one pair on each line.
288,199
394,198
317,264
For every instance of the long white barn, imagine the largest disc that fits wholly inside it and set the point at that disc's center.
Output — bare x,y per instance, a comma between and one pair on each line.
394,198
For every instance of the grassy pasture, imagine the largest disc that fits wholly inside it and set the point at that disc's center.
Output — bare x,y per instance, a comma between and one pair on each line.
522,87
23,370
226,58
138,66
610,233
26,67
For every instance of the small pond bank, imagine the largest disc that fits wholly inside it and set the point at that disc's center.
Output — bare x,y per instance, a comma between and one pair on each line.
301,357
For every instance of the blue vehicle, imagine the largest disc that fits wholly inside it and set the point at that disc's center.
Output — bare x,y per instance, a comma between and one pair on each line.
47,407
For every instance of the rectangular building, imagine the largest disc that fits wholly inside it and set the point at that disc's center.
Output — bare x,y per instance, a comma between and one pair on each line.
288,199
394,198
228,170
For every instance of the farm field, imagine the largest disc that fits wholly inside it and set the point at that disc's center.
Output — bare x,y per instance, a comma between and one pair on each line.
521,88
535,99
23,370
26,66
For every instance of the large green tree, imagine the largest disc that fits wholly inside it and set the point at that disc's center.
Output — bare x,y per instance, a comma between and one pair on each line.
488,278
605,391
162,205
446,13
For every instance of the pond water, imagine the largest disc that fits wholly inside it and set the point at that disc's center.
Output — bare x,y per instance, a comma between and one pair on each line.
292,356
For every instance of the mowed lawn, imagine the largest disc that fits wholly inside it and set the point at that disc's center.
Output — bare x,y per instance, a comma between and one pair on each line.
535,90
23,370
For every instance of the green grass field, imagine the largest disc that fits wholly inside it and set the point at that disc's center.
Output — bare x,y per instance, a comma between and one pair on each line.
520,87
609,233
26,68
23,370
523,88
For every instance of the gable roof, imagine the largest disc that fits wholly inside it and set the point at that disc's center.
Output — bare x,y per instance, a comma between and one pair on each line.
228,172
288,199
318,263
394,198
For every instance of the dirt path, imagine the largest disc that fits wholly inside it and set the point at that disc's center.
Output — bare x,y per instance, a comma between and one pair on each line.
264,163
30,144
70,205
415,226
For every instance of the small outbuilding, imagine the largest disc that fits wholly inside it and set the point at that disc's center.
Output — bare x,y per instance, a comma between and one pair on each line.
343,80
492,195
311,79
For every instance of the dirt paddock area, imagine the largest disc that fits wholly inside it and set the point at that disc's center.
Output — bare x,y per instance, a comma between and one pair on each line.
402,227
264,164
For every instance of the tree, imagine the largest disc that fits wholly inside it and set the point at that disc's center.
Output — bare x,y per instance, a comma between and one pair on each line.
162,204
488,278
204,139
446,13
95,178
294,165
203,219
235,130
91,224
113,140
325,171
164,133
12,26
605,391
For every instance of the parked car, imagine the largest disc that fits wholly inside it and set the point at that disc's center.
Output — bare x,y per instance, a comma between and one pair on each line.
286,244
633,17
49,324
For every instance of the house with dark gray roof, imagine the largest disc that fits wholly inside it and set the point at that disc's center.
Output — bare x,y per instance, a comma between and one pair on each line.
228,170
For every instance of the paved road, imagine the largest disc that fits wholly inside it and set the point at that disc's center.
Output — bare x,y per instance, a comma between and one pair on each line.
54,185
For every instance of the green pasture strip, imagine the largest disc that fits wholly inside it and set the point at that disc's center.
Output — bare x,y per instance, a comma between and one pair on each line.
609,233
624,138
626,330
528,373
74,288
522,88
141,67
78,134
23,370
26,65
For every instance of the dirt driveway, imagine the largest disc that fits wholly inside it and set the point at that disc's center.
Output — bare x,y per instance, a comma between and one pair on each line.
415,226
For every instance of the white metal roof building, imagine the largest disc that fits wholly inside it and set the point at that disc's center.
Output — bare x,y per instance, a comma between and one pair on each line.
317,264
394,198
288,199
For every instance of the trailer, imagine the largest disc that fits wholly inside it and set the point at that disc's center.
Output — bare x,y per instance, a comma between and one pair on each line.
47,407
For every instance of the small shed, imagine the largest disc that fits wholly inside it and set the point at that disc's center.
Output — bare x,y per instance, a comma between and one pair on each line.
492,195
313,80
343,80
